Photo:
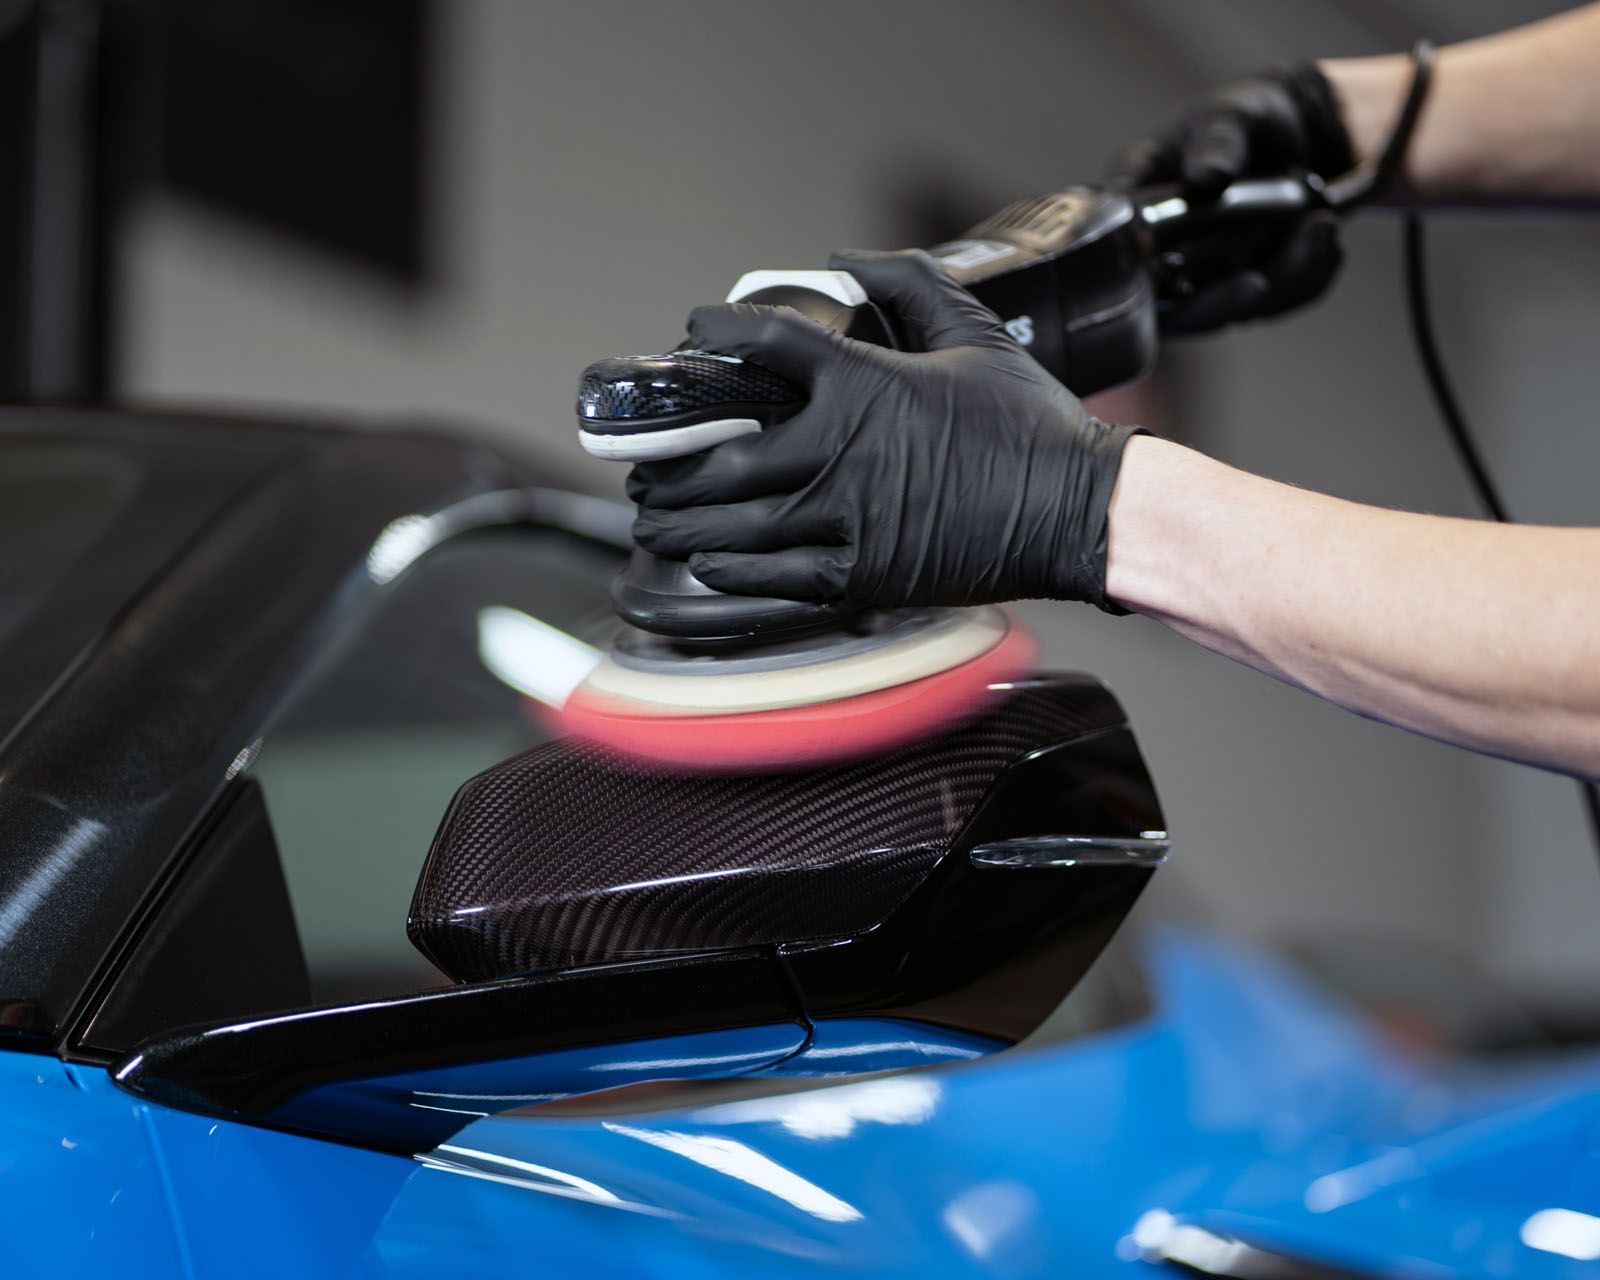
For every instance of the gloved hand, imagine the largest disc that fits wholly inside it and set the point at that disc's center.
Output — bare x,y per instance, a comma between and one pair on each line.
959,474
1261,126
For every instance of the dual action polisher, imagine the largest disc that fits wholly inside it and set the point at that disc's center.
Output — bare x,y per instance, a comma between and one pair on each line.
707,680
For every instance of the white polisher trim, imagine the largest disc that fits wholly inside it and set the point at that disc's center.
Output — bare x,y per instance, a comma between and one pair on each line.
841,286
976,632
674,442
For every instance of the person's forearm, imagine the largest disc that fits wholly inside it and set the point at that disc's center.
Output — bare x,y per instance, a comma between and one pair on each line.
1483,635
1511,118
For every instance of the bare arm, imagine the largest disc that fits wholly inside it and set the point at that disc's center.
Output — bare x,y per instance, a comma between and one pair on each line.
1487,636
1512,118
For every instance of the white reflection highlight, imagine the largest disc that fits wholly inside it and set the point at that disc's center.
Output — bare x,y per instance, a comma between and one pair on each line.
19,903
455,1111
1159,1237
1335,1190
331,1011
933,1053
242,761
399,545
835,1113
679,1064
1152,1229
688,878
485,1097
985,1217
537,660
747,1165
554,1180
1161,210
1564,1231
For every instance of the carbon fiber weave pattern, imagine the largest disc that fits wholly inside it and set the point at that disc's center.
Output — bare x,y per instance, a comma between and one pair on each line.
622,390
561,856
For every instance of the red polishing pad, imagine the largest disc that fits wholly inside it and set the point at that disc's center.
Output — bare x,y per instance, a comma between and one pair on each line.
796,737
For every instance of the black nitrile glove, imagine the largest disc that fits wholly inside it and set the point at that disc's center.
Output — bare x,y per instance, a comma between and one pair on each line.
960,474
1262,126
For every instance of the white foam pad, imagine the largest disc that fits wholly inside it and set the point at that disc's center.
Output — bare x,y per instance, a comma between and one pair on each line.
973,632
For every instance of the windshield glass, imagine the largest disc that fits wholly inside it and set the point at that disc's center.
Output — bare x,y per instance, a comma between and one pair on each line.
359,770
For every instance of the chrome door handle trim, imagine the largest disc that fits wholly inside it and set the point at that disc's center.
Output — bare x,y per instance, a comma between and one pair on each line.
1147,849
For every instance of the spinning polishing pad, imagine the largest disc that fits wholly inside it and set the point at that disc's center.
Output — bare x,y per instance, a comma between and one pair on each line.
830,698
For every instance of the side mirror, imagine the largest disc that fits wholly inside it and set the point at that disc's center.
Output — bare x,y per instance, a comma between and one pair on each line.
890,887
960,887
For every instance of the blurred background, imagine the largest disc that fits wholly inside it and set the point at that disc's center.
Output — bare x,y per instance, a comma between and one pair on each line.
440,212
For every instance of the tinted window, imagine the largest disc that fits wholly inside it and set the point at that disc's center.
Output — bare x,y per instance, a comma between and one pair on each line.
360,770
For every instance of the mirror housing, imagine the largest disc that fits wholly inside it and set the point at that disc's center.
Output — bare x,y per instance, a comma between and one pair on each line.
564,857
1017,878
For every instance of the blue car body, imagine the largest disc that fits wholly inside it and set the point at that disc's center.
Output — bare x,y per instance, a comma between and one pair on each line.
1246,1106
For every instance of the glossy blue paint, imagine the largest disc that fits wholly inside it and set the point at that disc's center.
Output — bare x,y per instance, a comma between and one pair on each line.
1248,1103
96,1183
80,1177
439,1102
844,1046
1240,1105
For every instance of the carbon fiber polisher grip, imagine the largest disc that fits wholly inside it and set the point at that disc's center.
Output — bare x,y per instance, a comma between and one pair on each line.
643,408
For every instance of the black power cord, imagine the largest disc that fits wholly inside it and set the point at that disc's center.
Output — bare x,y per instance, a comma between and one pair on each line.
1416,269
1456,424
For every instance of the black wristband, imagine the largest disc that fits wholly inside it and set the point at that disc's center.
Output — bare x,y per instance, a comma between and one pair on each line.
1389,162
1376,174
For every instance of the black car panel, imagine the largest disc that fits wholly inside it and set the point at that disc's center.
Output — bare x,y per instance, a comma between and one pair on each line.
137,738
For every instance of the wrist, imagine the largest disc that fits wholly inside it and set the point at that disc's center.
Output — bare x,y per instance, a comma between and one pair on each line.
1058,525
1369,92
1166,498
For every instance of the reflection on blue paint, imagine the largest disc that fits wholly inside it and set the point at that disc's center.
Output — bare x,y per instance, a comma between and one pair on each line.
847,1046
1213,1119
438,1102
524,1174
1248,1106
827,1114
739,1160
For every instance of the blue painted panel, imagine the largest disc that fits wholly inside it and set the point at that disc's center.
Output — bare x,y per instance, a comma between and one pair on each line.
256,1203
974,1170
843,1046
1243,1096
94,1182
437,1103
1247,1103
79,1182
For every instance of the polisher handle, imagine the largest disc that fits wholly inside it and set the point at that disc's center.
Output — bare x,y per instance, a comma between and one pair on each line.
1193,243
1246,205
648,408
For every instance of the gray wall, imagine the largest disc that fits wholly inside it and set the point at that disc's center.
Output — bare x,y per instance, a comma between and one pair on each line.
605,164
